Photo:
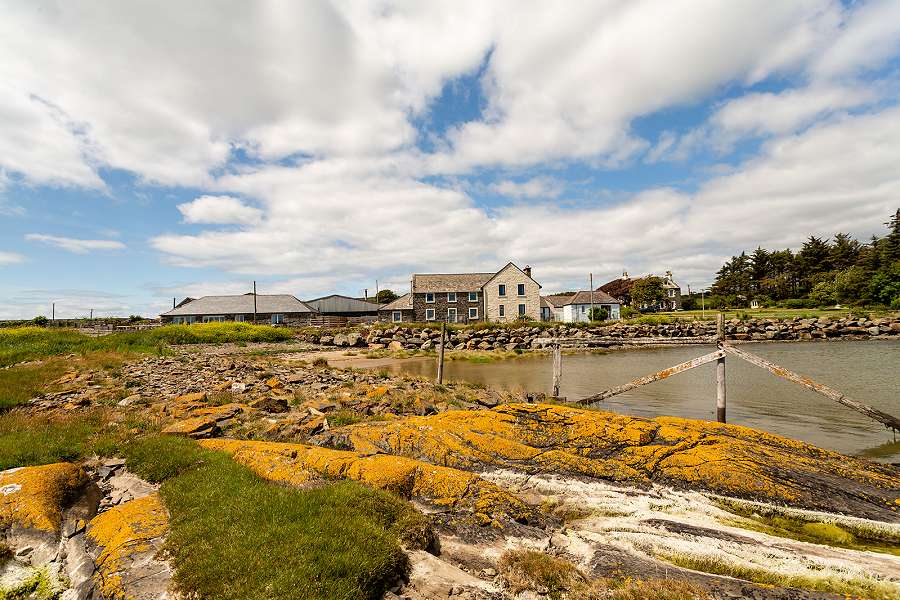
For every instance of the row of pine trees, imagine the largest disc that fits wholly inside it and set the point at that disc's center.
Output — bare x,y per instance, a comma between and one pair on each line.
823,272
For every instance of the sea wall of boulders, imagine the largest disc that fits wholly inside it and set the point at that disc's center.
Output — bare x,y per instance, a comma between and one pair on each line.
532,336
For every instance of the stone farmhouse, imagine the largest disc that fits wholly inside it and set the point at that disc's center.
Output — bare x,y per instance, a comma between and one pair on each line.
506,295
274,309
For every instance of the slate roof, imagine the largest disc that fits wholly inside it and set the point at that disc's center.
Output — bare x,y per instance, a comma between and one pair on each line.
450,282
241,304
557,300
404,302
336,303
600,297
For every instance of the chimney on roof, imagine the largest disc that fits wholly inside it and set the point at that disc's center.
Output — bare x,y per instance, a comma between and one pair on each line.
624,274
527,270
669,275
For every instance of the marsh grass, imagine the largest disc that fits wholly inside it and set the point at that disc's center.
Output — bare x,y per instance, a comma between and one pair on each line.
27,439
234,535
30,343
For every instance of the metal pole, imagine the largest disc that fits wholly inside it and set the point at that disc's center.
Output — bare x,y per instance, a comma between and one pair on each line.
557,369
591,287
440,373
720,370
254,303
53,312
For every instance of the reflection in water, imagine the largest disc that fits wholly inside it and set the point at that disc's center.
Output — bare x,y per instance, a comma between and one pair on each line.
868,371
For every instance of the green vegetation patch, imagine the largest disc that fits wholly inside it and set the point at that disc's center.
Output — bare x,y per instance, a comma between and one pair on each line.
234,535
40,585
799,526
29,440
31,343
849,586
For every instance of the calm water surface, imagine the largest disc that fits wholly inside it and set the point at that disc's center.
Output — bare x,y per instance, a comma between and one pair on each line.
867,371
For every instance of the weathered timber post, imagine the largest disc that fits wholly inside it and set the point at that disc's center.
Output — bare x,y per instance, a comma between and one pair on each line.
557,369
720,370
440,373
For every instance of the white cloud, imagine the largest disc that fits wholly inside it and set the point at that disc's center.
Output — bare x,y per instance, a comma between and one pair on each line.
221,210
10,258
74,245
536,187
869,36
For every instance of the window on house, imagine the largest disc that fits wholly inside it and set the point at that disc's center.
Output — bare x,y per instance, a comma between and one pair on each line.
473,296
190,320
451,315
502,311
239,318
501,289
473,313
277,319
213,319
520,289
583,308
178,320
429,314
397,316
671,293
429,298
521,310
451,296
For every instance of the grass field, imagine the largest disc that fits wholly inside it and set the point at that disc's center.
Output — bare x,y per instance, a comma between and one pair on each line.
775,313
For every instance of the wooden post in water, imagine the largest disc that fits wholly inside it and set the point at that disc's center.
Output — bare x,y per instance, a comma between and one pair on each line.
557,369
720,370
440,373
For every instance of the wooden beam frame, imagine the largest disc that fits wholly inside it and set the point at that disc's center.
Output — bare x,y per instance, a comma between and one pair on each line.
659,375
887,420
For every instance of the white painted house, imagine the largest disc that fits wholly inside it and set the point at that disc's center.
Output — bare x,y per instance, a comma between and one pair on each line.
577,308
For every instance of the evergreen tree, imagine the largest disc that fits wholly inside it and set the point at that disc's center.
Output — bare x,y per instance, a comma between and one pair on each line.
844,251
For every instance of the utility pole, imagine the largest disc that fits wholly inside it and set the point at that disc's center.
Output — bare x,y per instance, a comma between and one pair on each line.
376,290
591,287
173,303
92,314
254,302
53,312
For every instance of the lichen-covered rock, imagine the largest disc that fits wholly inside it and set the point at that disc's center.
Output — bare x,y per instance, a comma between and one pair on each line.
34,497
725,459
194,427
128,537
297,464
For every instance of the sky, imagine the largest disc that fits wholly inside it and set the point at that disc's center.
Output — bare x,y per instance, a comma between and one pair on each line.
152,150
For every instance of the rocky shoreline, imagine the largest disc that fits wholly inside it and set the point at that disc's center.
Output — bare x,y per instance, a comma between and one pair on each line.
404,337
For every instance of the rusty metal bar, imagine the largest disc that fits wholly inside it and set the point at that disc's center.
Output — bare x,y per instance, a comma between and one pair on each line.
664,374
887,420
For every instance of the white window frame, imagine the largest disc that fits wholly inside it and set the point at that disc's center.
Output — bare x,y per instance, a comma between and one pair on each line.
427,301
451,310
473,312
473,296
520,286
239,318
501,290
451,299
277,319
523,310
397,316
671,293
190,320
502,310
214,318
429,314
177,320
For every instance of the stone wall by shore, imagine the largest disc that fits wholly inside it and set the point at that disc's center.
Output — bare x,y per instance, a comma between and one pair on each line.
530,336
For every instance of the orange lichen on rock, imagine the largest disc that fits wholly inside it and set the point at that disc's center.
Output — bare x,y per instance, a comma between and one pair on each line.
726,459
34,497
409,478
125,532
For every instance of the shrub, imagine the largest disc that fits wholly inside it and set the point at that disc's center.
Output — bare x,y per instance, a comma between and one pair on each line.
598,313
628,313
40,321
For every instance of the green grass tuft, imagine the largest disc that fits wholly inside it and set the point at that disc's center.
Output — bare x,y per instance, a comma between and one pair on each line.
234,535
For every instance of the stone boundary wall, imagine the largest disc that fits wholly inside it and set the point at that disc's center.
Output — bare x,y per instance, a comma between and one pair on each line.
527,337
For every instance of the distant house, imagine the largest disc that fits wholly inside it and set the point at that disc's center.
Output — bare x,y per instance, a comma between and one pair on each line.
578,307
275,309
506,295
621,288
552,306
343,306
398,311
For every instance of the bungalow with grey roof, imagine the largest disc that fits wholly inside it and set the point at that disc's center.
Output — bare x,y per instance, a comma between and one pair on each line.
275,309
